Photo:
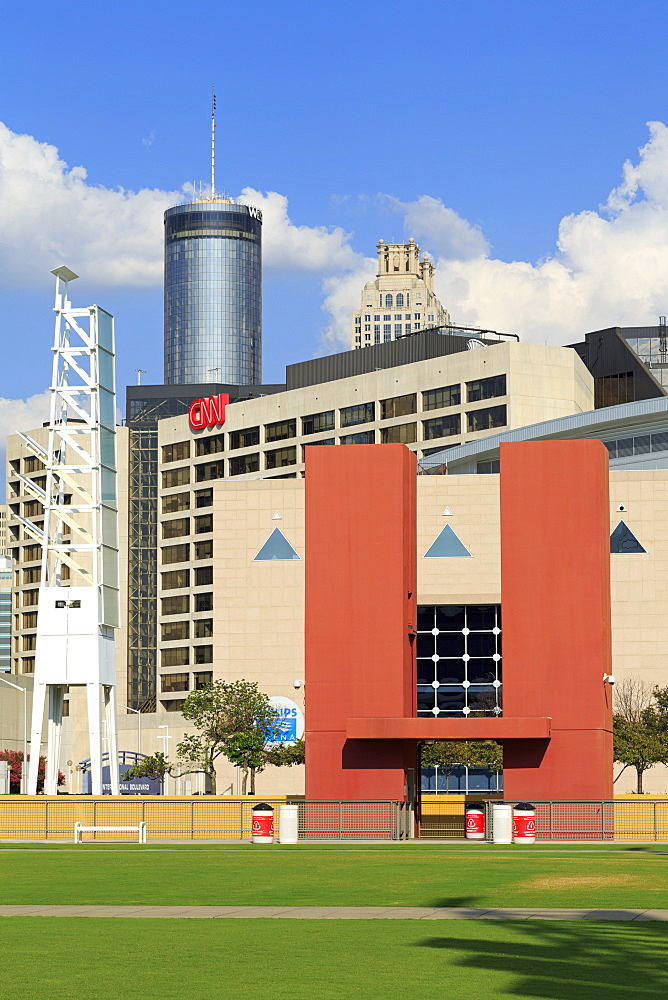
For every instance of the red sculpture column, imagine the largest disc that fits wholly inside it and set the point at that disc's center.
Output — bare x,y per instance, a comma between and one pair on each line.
360,615
555,587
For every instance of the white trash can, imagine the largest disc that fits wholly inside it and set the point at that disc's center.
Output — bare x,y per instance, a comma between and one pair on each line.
288,824
502,823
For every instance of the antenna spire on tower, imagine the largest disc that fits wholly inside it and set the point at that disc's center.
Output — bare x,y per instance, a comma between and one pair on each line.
213,142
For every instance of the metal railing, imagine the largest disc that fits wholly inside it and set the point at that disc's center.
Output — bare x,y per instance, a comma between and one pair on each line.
645,818
210,818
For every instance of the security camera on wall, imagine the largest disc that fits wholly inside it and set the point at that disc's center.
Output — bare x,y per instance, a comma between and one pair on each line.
297,684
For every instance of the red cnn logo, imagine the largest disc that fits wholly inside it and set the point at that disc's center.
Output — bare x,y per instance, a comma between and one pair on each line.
208,412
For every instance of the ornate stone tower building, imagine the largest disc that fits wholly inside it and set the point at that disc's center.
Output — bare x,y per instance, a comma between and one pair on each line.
400,301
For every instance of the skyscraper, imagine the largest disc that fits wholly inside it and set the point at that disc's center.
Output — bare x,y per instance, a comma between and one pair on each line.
213,293
400,300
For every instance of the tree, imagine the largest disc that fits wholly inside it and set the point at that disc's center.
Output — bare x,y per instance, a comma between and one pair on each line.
448,755
638,745
15,760
286,754
632,696
233,719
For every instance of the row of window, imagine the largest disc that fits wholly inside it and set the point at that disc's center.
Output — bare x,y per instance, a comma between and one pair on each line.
172,631
176,579
180,604
181,681
448,425
181,553
316,423
179,656
182,501
181,526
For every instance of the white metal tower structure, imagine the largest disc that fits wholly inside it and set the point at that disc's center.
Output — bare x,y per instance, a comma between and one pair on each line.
78,595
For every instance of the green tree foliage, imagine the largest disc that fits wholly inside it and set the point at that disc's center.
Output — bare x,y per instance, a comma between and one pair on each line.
286,754
638,745
448,755
232,719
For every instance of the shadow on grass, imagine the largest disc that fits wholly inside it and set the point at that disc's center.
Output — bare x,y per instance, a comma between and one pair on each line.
565,960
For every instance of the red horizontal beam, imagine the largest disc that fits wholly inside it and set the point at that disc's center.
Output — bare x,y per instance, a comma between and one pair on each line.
449,729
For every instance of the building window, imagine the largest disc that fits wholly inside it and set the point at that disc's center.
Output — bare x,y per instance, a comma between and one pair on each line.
246,438
32,508
210,445
376,319
175,553
176,477
201,679
203,654
176,605
176,452
209,470
28,665
367,318
280,457
30,620
398,406
488,468
367,327
173,705
280,430
204,577
203,602
174,682
241,465
399,434
204,550
30,598
179,656
175,630
176,528
203,523
175,502
204,498
387,329
399,302
204,628
32,464
397,329
441,427
611,390
448,395
485,420
362,437
407,328
29,642
361,413
485,388
31,553
176,578
388,301
458,660
317,422
33,575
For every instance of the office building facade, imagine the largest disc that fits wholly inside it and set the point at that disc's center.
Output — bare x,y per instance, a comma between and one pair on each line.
213,293
400,301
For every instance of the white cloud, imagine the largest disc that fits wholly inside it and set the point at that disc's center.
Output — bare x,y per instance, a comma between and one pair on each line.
287,247
22,415
51,214
342,295
445,233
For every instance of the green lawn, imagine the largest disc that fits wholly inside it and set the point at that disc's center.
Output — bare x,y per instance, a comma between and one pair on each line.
310,876
115,959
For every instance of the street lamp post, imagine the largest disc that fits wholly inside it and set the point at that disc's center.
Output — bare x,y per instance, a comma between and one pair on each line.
166,737
138,714
24,767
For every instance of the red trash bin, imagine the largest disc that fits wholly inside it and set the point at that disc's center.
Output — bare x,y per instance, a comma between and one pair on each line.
263,824
524,823
475,821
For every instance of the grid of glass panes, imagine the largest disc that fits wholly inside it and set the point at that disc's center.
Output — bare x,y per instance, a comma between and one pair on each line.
459,660
647,343
460,780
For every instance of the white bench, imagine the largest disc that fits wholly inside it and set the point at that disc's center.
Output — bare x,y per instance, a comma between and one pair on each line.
79,829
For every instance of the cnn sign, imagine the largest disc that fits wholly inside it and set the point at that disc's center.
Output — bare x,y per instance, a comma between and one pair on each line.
208,412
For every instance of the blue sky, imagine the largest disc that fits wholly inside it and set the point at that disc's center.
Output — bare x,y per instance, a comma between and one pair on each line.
488,130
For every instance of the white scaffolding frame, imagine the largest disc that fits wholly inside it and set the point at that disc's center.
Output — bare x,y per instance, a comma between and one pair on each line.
78,599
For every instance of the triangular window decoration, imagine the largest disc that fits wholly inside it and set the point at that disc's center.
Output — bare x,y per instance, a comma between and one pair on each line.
623,540
447,545
276,547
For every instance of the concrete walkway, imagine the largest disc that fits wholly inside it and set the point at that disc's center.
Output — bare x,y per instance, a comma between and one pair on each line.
334,912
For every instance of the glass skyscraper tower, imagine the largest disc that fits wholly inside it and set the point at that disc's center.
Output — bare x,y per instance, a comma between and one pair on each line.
213,293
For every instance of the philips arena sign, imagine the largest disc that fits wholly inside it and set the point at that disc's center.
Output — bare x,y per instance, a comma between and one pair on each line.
208,412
